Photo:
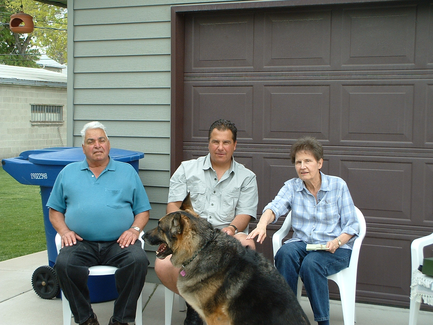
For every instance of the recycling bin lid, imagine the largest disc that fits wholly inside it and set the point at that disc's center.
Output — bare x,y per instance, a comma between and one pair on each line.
41,166
25,154
73,154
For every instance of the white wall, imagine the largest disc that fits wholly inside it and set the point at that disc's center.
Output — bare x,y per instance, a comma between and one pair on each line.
16,132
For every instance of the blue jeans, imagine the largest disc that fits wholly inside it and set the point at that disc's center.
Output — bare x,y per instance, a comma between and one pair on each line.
72,265
293,260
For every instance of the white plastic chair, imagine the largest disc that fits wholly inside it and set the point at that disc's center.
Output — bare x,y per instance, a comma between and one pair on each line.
346,278
422,285
169,298
98,270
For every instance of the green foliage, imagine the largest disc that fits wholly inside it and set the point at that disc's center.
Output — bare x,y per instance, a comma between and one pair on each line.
49,34
22,228
13,47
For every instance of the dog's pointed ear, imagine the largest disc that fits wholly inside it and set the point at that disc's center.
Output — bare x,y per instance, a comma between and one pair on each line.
176,225
186,204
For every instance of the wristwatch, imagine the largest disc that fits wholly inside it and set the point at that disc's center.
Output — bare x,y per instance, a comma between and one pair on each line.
339,242
234,227
136,228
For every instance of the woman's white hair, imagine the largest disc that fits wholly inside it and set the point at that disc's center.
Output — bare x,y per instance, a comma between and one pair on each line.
90,126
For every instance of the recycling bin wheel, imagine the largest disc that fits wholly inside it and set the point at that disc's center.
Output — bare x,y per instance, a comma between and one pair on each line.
45,283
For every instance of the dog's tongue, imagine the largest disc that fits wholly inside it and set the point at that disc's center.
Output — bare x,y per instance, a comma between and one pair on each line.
161,248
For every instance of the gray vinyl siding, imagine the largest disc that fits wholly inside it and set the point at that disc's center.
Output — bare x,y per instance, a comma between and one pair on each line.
120,57
122,78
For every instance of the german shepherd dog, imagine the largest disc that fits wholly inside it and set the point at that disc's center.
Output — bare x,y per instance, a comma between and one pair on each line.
223,281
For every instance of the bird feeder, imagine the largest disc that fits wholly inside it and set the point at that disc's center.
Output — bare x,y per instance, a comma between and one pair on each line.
21,23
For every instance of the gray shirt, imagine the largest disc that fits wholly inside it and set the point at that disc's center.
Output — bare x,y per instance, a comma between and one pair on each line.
219,201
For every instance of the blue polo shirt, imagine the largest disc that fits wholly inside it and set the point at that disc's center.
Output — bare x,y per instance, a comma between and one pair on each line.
99,209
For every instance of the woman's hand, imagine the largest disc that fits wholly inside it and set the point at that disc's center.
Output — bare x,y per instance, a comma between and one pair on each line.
336,243
332,245
259,232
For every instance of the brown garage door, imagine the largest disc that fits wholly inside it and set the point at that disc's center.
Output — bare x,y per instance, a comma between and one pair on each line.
356,76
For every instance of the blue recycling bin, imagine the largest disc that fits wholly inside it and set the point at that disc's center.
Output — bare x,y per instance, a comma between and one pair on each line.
41,167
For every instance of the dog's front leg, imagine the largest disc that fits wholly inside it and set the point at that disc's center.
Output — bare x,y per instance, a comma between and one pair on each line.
218,318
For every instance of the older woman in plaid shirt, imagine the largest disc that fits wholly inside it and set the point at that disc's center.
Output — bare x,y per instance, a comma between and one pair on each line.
322,213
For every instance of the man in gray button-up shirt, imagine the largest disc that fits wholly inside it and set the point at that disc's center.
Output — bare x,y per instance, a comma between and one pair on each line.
222,191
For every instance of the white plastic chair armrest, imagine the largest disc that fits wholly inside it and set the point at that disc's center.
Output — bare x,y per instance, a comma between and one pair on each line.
278,236
417,252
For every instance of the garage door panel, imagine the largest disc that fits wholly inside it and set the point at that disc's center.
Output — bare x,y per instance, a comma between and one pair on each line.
389,259
429,116
246,160
383,267
297,39
427,198
221,41
384,188
295,110
429,42
275,172
381,36
211,102
380,113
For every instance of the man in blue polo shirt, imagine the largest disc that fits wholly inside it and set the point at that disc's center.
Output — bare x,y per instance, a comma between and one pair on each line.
99,207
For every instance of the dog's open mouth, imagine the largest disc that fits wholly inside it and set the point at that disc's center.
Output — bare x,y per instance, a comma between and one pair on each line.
163,251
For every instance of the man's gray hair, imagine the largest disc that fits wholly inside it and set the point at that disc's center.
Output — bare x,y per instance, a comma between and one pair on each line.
90,126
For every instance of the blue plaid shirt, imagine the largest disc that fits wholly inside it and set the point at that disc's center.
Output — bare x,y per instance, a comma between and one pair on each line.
317,222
